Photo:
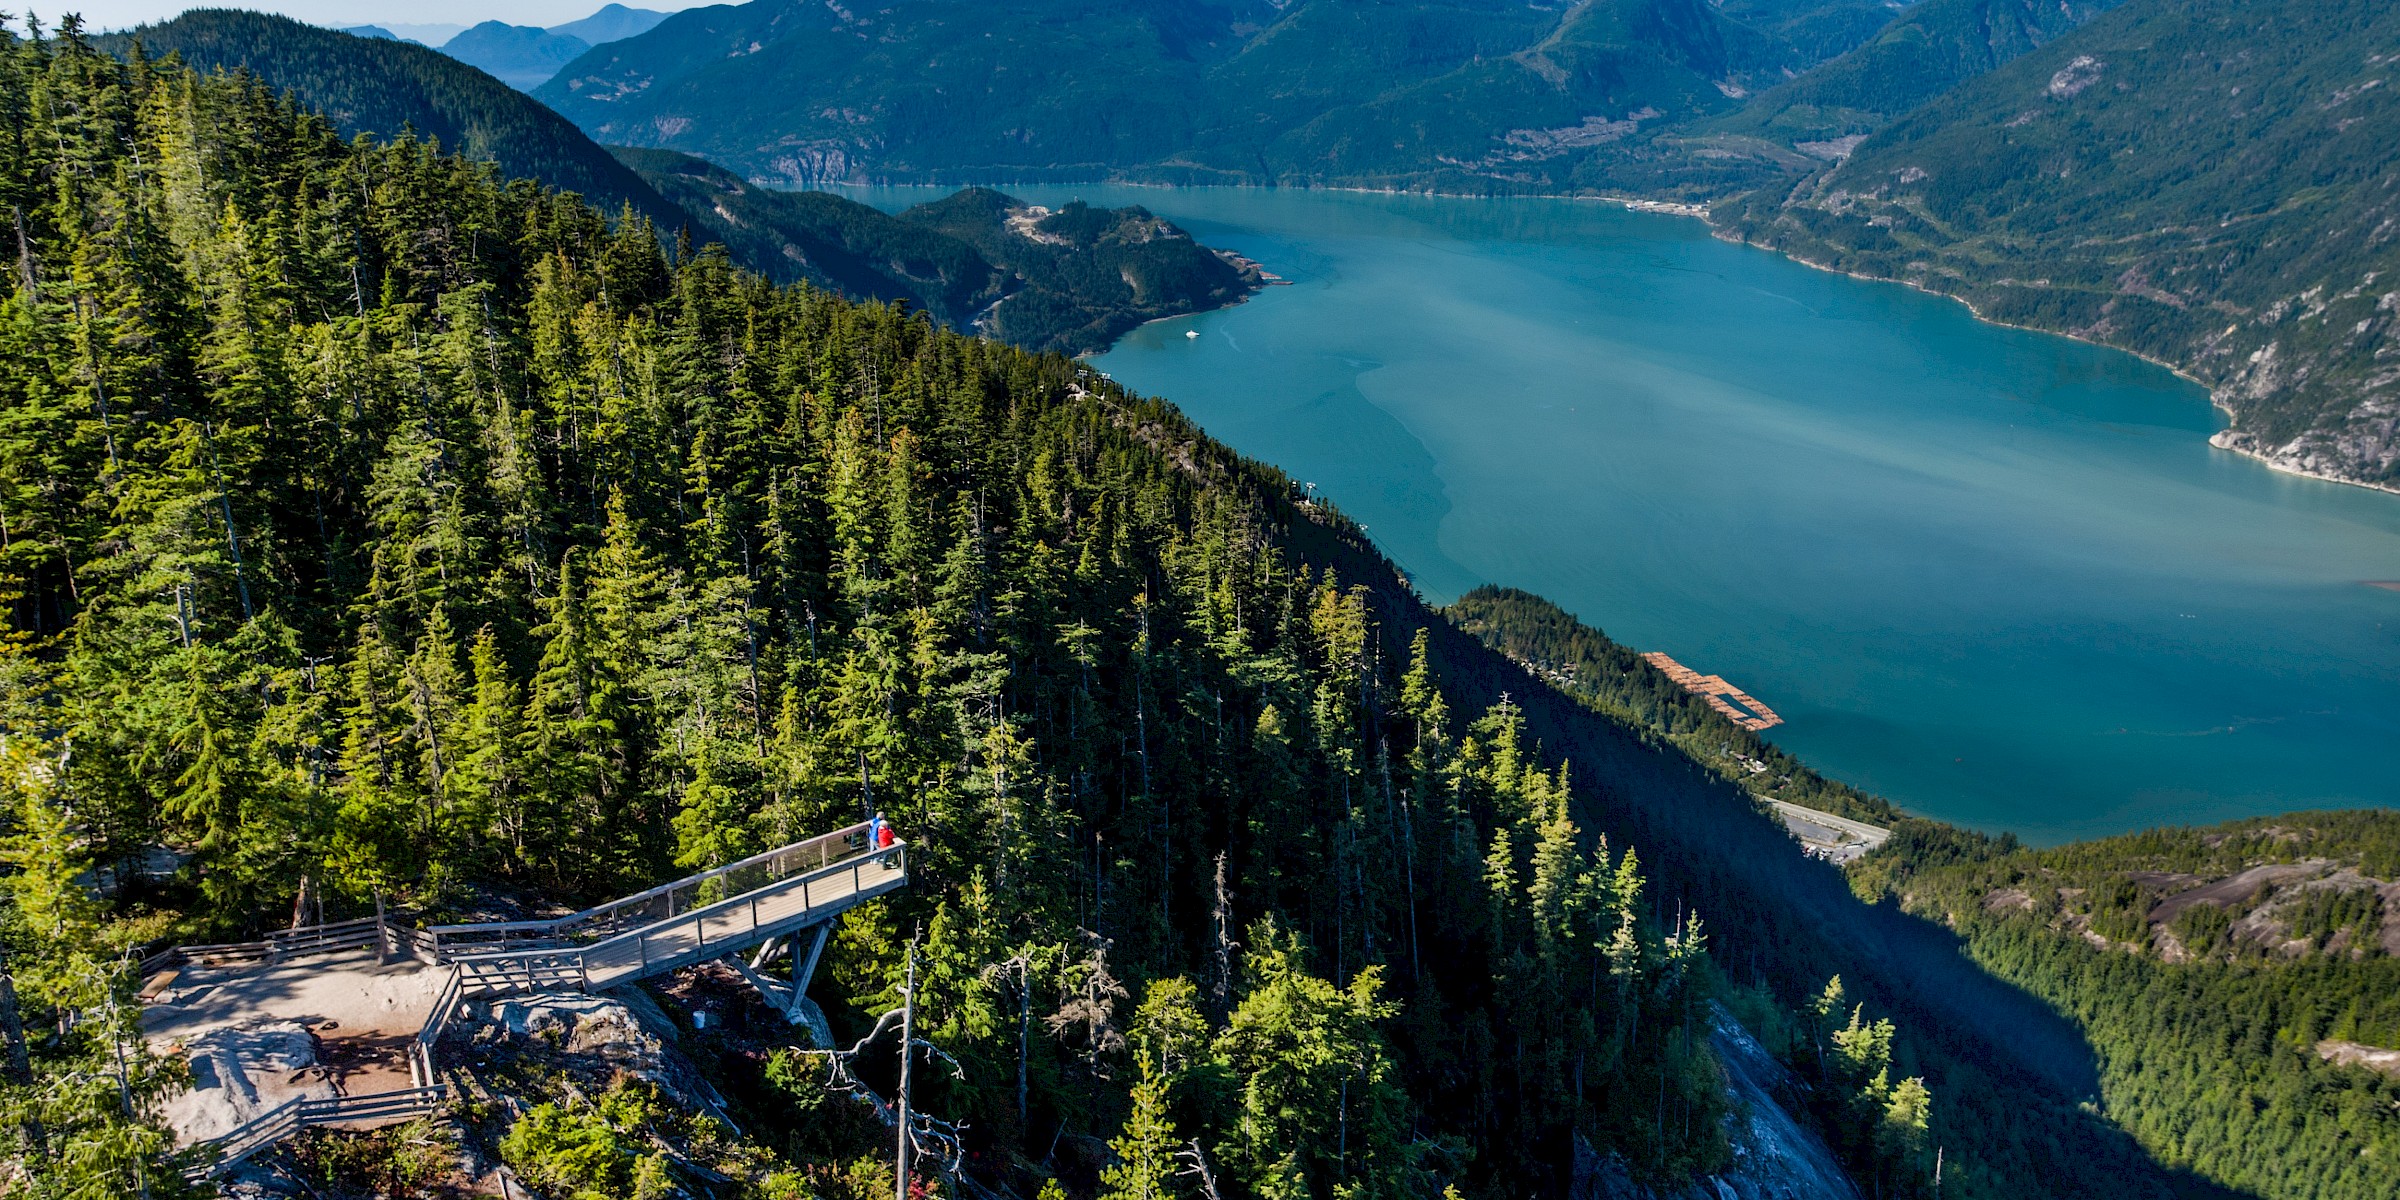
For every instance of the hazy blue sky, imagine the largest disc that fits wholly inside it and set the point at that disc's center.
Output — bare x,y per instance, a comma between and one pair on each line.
119,14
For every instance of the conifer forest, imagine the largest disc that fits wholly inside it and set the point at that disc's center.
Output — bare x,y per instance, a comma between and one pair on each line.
382,532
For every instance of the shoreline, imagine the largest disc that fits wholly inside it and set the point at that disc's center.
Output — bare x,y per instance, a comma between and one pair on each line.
1700,213
2179,372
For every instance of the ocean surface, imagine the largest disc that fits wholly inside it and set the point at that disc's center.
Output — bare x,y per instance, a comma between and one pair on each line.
1996,576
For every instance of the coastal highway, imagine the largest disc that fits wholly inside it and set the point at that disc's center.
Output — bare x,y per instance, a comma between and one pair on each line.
1838,839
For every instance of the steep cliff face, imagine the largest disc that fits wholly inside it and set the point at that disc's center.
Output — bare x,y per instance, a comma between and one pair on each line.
1775,1157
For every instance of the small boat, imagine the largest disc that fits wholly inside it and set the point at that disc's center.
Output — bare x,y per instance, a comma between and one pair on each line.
1191,333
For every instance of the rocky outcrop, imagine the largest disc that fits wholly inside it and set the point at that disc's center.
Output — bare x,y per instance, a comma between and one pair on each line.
593,1040
2353,1054
239,1073
1775,1157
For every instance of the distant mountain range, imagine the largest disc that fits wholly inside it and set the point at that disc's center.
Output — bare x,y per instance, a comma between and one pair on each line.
1953,143
1447,93
525,56
402,31
1687,98
520,56
612,23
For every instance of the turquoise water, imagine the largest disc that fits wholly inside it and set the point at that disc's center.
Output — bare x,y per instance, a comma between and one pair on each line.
1996,576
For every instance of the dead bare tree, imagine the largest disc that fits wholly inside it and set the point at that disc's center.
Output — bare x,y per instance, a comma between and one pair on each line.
1196,1167
932,1141
1091,1005
1220,989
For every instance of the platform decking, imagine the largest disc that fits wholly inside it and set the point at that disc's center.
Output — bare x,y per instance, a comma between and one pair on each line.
793,897
711,915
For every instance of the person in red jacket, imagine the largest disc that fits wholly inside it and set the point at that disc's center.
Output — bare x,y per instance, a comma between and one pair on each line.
880,836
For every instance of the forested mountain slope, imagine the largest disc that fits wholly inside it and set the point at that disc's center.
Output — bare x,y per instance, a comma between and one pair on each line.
383,530
1821,113
378,528
1088,274
2213,183
854,248
1815,29
2241,983
379,86
1467,93
1077,299
1925,51
1584,663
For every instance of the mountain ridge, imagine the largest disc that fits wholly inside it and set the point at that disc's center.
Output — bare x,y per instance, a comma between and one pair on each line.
378,87
611,23
381,86
521,56
977,260
1231,91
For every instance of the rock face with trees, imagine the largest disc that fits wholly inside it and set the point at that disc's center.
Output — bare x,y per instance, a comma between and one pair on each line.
2240,982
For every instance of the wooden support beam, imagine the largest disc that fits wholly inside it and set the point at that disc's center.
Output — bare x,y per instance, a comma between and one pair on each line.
802,971
768,990
766,950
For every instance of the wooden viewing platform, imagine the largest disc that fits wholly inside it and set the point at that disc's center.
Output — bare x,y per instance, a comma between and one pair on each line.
1720,695
764,904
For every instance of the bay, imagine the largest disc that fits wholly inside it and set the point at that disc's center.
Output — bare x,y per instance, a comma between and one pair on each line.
1996,576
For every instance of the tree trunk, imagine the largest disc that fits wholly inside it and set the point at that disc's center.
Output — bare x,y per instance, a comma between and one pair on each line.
19,1065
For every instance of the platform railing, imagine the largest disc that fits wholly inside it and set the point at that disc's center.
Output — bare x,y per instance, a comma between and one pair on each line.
396,933
708,931
225,1152
661,903
689,920
437,1023
280,946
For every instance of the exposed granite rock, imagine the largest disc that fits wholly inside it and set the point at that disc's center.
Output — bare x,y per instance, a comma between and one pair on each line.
243,1071
593,1040
1775,1157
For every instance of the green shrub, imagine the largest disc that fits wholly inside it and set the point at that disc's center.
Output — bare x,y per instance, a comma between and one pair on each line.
592,1151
